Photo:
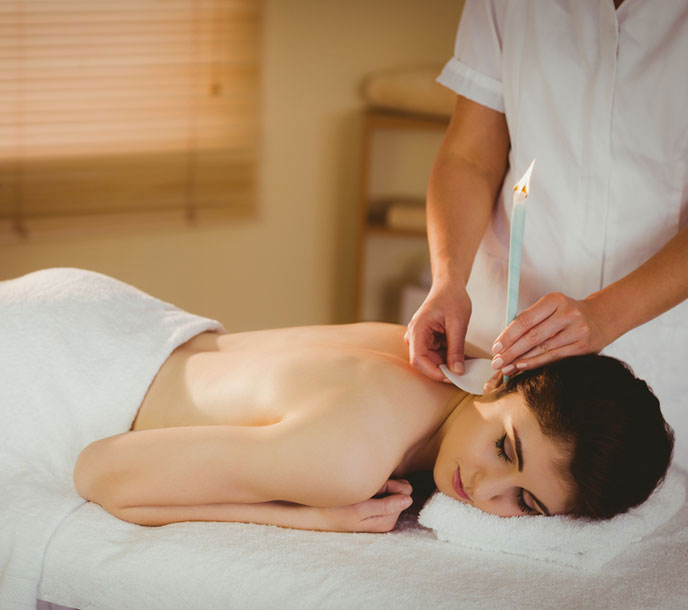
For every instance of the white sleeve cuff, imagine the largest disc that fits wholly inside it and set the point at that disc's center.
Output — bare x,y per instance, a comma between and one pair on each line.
472,84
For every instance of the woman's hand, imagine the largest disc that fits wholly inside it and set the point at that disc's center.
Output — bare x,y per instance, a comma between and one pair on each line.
437,331
555,327
378,514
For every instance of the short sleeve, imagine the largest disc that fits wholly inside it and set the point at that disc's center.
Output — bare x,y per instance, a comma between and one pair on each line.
475,70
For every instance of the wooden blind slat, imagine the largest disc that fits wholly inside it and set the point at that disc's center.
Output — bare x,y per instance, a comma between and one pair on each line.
138,105
117,178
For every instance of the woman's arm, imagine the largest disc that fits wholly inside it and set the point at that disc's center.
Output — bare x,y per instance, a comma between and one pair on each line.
373,515
209,465
178,466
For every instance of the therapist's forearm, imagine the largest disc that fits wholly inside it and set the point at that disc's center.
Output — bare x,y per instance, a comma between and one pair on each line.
459,202
464,183
653,288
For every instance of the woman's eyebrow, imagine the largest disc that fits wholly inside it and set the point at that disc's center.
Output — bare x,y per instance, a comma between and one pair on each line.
519,459
519,454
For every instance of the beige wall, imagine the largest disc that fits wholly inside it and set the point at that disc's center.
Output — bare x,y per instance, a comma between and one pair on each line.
294,262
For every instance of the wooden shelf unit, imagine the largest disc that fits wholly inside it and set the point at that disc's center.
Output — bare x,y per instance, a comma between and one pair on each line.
375,120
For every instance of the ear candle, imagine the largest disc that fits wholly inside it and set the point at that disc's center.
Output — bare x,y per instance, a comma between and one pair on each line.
518,221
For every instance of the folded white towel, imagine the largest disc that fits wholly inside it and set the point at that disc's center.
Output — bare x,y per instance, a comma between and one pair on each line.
78,351
559,539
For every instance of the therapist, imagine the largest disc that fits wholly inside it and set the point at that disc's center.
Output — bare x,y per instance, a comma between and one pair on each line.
597,92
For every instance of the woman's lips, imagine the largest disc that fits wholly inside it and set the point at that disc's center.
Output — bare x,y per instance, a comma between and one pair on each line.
458,485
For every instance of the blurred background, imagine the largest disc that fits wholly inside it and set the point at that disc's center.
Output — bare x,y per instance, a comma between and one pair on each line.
281,213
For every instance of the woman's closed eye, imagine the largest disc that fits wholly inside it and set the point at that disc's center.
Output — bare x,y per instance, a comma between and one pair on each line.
501,452
500,449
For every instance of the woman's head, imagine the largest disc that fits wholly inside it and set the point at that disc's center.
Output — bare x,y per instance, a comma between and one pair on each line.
620,446
495,456
582,436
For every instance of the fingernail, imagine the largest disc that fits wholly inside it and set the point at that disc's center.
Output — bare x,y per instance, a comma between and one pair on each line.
507,370
458,368
521,365
497,347
406,502
497,363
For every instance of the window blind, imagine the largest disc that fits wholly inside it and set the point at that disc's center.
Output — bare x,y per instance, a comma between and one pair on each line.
127,106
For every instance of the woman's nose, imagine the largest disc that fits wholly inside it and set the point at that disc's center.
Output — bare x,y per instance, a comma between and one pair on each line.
490,485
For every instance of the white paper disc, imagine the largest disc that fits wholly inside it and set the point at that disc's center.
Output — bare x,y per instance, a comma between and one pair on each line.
478,371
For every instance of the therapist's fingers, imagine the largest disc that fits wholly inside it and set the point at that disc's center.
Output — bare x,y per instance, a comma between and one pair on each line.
567,336
569,329
526,321
437,330
456,340
546,336
570,349
424,347
428,363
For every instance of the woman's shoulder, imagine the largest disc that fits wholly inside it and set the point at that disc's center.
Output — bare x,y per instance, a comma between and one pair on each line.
362,432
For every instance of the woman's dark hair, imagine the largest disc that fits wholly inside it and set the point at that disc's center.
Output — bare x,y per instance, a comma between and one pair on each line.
620,444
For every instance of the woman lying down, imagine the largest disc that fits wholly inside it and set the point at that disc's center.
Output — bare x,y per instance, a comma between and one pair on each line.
316,428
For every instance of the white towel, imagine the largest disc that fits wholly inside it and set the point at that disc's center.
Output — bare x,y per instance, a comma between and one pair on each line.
559,539
78,351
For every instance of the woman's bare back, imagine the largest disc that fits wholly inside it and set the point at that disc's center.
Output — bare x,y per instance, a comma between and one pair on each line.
314,376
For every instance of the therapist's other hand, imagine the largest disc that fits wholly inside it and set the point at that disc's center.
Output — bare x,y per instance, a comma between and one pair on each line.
555,327
437,331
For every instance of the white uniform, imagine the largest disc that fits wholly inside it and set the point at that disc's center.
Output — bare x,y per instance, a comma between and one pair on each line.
600,98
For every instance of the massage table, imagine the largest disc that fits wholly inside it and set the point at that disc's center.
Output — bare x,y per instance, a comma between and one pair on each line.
96,562
89,347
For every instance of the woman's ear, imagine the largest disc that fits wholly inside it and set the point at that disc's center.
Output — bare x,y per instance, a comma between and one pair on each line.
493,383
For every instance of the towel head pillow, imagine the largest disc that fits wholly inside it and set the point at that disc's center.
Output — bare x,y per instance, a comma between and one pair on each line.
577,543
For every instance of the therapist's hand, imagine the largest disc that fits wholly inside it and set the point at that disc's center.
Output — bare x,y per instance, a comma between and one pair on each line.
437,331
555,327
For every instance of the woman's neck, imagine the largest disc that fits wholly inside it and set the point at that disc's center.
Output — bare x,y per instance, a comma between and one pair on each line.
423,455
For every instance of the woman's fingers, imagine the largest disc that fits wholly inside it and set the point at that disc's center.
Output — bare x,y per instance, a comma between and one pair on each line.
381,514
378,514
389,505
395,486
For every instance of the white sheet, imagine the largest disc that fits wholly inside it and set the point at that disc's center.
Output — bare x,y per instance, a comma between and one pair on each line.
78,351
95,562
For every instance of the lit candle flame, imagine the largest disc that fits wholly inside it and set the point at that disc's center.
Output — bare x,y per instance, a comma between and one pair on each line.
522,187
